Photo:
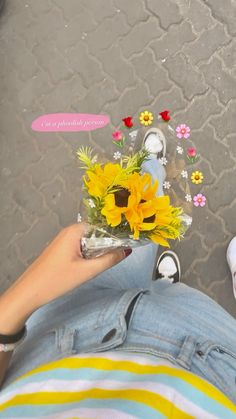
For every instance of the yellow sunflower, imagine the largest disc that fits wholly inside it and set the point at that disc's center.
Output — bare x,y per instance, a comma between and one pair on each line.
142,203
168,225
197,177
141,186
101,179
146,118
111,211
146,212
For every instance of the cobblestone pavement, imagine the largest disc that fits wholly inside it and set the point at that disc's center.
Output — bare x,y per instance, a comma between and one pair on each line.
115,56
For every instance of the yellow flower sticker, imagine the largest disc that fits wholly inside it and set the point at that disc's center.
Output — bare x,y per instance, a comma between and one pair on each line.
146,118
197,177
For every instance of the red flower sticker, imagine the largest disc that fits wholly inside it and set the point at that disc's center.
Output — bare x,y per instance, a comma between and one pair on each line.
165,115
128,122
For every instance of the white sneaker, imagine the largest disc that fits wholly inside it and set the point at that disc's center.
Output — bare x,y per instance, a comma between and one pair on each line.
154,141
231,259
168,267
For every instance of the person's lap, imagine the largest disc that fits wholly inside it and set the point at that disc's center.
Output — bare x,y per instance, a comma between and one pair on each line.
170,311
136,272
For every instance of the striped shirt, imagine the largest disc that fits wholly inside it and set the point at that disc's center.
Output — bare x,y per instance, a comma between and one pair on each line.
113,385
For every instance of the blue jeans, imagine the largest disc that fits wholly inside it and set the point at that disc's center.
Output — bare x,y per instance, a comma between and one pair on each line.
170,321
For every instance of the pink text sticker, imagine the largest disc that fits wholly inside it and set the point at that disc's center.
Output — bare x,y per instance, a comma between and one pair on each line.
69,122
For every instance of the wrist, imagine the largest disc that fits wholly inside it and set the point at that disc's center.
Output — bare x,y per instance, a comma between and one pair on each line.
15,308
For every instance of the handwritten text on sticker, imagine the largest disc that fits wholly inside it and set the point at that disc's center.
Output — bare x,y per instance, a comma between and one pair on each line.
69,122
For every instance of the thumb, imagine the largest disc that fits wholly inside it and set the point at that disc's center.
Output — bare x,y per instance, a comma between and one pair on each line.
104,262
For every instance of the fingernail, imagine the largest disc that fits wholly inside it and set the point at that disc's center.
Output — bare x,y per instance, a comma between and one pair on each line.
127,252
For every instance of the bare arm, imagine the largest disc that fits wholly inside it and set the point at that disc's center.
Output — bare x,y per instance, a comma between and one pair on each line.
58,270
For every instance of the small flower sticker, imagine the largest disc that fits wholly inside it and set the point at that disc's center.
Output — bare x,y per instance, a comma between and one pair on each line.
79,218
188,221
166,185
197,177
118,138
133,134
192,154
165,115
117,155
188,197
146,118
128,122
179,149
183,131
199,200
184,174
91,203
163,161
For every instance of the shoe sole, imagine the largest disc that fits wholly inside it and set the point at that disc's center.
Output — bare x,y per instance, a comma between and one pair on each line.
160,136
176,259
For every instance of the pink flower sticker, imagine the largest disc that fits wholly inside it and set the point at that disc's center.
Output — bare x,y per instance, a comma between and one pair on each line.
192,152
192,155
183,131
117,136
199,200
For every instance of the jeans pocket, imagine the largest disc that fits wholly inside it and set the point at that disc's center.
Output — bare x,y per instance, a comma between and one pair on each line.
106,328
220,368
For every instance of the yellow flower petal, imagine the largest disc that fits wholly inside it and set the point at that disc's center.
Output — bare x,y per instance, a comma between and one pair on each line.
147,226
159,240
112,213
162,202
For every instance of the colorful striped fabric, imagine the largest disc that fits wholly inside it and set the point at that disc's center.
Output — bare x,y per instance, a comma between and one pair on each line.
112,385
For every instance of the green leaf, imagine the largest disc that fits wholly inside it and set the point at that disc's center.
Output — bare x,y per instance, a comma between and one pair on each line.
84,154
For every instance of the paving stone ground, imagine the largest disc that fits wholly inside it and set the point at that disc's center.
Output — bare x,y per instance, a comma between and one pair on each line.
116,57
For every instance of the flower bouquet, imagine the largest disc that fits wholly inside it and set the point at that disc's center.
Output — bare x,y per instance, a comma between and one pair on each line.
122,208
121,204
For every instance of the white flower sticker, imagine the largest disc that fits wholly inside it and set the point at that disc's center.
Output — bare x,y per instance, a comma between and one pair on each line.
163,161
79,218
188,221
117,155
166,185
179,149
188,197
184,174
91,203
133,134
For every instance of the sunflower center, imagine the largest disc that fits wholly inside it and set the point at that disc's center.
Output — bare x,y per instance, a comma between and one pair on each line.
150,219
197,177
146,118
121,197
